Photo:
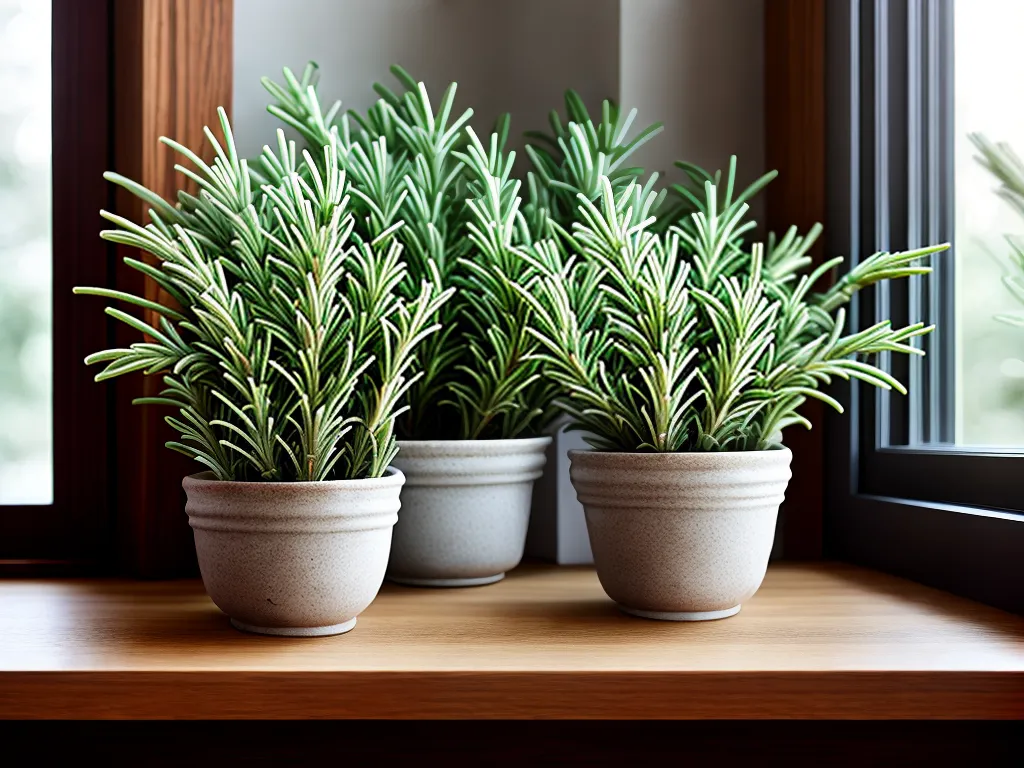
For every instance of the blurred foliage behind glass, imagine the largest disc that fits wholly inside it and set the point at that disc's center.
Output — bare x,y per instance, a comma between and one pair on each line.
26,472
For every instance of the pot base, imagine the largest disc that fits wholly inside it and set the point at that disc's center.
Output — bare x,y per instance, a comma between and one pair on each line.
682,615
330,629
475,582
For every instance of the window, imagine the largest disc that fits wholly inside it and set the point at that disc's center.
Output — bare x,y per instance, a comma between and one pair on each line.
26,456
930,485
54,66
988,121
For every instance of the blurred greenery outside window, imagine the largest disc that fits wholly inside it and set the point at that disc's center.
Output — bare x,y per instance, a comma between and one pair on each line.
26,429
990,346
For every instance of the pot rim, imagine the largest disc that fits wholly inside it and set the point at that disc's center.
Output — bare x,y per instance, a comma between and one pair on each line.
392,477
477,444
776,452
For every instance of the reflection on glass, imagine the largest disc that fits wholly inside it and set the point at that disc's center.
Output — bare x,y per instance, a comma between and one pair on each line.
989,222
26,456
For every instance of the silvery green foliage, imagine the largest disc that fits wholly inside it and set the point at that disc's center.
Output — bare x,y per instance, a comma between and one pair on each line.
287,347
682,337
502,378
663,328
574,157
1002,162
464,228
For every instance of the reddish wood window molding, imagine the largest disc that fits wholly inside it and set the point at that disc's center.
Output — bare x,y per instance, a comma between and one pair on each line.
795,145
173,68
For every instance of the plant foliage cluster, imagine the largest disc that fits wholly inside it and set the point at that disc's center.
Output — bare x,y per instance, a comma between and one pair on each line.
283,340
397,278
684,336
467,226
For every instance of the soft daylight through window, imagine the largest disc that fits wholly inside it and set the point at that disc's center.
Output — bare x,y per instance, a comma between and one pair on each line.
26,435
989,124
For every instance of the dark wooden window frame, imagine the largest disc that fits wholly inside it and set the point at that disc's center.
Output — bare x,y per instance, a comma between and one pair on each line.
125,72
945,516
73,531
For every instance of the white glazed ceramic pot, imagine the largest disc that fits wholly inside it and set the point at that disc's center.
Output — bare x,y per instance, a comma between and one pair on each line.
302,558
465,509
681,536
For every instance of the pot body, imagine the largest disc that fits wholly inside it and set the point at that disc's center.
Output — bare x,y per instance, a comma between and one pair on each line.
681,536
465,509
301,558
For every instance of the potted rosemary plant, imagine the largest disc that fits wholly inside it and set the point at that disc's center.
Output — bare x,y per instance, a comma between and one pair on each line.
684,351
472,441
566,161
285,347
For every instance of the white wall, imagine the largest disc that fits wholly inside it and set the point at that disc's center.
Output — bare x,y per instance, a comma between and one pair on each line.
698,67
506,56
695,65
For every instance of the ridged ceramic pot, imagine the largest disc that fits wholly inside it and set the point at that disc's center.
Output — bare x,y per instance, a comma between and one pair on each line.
681,536
465,509
293,558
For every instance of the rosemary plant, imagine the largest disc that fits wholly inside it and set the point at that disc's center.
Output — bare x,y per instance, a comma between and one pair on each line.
464,229
688,339
572,159
285,343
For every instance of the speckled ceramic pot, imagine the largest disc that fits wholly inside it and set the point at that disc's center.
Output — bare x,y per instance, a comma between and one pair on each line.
465,509
293,558
681,536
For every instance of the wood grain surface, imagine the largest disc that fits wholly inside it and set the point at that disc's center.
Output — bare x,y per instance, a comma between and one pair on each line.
173,64
819,641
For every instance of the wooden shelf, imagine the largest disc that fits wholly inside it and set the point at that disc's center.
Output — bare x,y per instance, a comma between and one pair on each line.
818,641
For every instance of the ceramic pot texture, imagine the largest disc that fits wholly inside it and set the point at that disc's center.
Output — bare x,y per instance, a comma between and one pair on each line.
465,509
681,536
299,558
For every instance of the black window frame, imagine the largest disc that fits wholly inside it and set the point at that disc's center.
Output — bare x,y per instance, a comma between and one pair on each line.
900,496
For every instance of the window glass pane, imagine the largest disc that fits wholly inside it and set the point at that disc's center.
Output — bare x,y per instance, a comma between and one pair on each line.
989,70
26,435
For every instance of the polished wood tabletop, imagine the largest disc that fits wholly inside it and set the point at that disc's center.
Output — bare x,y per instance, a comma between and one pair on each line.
817,641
